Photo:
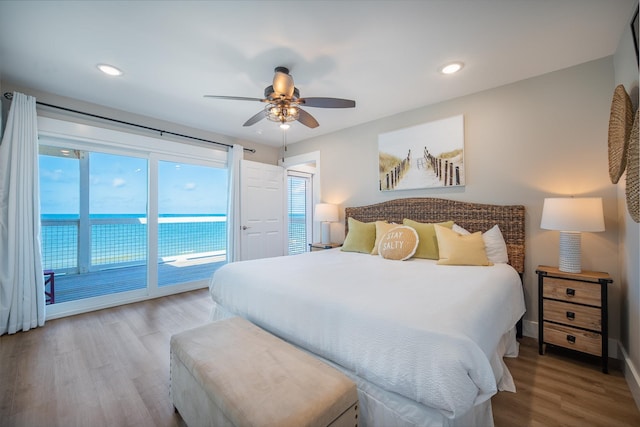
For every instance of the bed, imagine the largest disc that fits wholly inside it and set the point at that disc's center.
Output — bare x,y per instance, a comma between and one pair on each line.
423,342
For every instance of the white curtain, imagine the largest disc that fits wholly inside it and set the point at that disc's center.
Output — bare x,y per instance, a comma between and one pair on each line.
234,161
22,301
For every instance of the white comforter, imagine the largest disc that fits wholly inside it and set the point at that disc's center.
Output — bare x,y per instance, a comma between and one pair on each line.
422,330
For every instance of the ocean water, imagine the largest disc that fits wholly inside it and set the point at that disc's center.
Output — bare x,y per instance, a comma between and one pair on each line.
122,239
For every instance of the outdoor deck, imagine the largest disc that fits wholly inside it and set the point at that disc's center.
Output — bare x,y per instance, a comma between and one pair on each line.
79,286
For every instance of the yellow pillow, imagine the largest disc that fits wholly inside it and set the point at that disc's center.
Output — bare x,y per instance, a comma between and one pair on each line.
458,249
428,245
361,236
381,229
399,243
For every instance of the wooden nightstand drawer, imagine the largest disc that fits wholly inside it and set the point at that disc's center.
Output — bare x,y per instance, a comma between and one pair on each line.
575,339
572,291
573,315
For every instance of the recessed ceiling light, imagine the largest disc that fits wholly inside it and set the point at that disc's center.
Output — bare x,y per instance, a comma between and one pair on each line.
109,69
451,68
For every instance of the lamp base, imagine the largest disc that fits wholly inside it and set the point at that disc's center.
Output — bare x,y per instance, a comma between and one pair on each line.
570,252
326,233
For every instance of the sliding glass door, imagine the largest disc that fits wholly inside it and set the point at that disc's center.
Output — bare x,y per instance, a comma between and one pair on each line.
94,222
122,224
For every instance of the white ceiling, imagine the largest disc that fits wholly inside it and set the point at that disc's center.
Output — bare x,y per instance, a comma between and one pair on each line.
383,54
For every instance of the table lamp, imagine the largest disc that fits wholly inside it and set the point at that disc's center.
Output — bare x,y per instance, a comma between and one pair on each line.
571,216
326,213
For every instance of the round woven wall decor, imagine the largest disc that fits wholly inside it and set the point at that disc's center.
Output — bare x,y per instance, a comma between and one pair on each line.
620,122
633,170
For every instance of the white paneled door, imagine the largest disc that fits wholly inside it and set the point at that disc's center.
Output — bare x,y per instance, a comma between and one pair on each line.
262,210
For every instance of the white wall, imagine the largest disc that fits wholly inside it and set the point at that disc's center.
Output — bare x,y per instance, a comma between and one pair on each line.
626,73
541,137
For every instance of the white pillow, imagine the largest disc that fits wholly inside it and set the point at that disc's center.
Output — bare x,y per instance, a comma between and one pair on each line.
494,243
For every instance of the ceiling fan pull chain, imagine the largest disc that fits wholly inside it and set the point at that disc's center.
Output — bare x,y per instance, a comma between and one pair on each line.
284,143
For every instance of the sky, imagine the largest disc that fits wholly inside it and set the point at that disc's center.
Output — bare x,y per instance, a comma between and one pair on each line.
118,185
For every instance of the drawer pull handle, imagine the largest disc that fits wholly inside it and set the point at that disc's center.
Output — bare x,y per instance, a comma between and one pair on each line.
571,315
571,292
571,339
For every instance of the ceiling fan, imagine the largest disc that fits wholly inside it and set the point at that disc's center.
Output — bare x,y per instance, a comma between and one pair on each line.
284,102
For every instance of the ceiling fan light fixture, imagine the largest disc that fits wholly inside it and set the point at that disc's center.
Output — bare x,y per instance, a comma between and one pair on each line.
451,68
284,126
282,113
109,69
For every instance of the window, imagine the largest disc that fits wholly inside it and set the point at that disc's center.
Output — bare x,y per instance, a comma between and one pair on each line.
299,211
192,227
60,208
129,219
94,222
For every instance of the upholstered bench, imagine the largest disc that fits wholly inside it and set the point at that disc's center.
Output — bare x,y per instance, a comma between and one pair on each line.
232,373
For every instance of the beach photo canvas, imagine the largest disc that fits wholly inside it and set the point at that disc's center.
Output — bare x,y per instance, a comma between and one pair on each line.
423,156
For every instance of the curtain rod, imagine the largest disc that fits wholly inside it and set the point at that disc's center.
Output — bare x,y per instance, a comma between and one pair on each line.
9,95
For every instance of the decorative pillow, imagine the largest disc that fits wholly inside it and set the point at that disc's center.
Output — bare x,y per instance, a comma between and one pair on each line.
381,229
494,243
399,243
428,244
460,249
361,236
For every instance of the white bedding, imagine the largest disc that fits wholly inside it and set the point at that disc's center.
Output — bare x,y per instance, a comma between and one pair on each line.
427,332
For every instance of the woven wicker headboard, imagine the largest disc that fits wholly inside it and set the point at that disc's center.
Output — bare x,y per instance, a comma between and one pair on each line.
472,216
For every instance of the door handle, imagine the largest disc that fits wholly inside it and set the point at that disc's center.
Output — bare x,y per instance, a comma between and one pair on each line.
244,227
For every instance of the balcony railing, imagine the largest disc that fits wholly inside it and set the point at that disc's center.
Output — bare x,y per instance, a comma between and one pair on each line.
121,241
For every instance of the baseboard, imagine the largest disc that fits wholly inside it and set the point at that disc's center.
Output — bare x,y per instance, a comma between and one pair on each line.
530,329
631,375
87,305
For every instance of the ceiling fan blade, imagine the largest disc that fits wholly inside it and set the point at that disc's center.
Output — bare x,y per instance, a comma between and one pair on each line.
307,119
255,119
234,98
283,82
327,102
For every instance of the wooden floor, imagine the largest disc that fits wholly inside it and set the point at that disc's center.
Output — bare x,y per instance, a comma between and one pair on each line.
111,368
106,368
561,389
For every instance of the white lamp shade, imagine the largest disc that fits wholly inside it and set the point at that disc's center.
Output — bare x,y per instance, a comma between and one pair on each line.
326,212
572,214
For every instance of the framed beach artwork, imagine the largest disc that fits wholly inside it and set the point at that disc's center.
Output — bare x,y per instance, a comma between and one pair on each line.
429,155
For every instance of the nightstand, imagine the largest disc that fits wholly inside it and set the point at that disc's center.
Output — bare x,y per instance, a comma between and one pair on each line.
572,311
321,246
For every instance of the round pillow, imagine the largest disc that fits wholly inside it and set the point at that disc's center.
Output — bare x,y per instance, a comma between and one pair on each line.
399,243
